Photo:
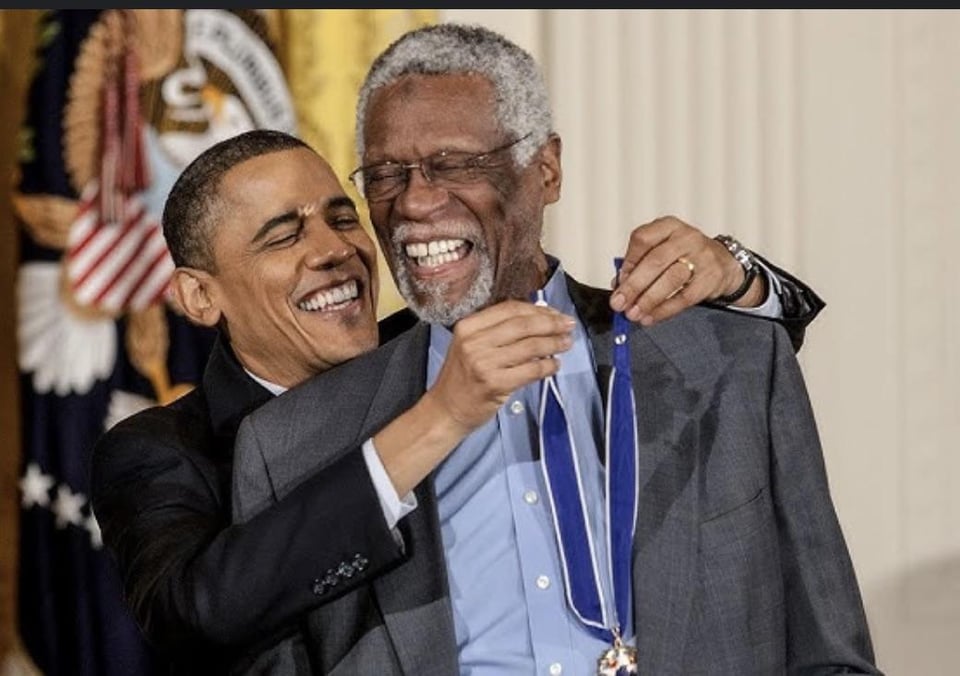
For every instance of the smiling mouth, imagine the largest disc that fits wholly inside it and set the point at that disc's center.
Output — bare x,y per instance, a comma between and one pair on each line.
437,252
331,299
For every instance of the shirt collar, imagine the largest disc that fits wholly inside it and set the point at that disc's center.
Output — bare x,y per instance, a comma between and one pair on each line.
272,388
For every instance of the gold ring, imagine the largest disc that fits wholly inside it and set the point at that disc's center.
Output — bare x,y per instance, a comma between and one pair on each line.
691,268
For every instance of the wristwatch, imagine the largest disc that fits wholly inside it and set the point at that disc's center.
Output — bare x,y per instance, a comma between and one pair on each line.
747,261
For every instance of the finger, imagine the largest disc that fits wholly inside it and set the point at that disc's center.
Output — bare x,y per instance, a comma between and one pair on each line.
642,239
667,238
493,374
503,311
528,349
530,372
513,328
657,262
678,286
674,278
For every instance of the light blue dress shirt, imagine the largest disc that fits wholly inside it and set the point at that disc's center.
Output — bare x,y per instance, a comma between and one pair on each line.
506,584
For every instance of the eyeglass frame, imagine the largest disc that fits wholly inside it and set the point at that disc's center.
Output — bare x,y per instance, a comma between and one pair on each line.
356,176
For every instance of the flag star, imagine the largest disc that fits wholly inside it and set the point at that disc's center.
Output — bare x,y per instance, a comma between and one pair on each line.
67,506
35,486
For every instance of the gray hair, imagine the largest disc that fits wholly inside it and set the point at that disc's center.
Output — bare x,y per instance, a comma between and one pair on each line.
522,104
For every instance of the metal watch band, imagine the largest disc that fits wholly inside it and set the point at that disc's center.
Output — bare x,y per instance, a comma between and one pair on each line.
750,269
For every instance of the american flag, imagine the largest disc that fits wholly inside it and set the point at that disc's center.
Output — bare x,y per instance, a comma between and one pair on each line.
116,265
92,275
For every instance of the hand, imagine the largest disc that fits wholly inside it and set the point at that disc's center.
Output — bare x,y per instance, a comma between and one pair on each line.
657,281
496,351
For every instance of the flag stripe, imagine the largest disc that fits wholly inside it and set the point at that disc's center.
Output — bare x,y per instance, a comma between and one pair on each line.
134,253
154,282
121,293
111,235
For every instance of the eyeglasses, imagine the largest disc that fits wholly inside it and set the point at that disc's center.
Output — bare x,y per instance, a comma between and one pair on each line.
380,182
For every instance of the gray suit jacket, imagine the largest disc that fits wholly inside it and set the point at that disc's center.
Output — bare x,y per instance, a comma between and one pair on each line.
740,566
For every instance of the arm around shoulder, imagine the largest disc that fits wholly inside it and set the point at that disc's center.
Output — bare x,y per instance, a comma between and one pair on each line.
194,579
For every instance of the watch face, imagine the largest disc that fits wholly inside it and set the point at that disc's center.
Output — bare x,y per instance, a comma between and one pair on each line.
745,258
742,255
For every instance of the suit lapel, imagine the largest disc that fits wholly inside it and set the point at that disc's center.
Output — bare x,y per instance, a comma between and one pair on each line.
373,390
230,393
666,541
413,597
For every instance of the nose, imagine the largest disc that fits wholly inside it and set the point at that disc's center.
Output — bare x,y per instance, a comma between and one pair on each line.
421,195
417,168
326,248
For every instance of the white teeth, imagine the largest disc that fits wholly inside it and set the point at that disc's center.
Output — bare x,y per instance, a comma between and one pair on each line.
436,252
329,298
433,248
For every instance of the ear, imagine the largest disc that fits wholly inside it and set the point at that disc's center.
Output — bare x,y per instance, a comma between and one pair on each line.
191,288
550,169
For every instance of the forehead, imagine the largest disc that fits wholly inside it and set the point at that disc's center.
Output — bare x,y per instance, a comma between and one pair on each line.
270,184
420,114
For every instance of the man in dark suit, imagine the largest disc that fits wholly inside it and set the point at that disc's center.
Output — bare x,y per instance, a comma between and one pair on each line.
719,552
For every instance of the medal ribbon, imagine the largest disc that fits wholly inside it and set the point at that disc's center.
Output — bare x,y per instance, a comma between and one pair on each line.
563,477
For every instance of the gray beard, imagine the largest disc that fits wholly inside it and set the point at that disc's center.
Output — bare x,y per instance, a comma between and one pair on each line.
434,308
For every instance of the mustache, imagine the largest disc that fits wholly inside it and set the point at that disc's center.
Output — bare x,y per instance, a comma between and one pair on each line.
457,229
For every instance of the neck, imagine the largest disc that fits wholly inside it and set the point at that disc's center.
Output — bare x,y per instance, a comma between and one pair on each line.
530,275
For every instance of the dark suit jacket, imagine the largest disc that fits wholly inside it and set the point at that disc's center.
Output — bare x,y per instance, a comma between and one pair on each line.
739,563
202,590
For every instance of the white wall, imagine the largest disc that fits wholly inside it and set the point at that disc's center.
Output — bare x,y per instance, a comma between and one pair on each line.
829,141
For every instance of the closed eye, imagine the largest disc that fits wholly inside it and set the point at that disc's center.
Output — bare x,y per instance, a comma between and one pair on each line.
344,222
285,239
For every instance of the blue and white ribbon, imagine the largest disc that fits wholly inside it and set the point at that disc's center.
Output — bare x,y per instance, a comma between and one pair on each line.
564,480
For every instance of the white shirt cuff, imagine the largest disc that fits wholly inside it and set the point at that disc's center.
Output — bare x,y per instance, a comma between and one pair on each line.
771,307
394,508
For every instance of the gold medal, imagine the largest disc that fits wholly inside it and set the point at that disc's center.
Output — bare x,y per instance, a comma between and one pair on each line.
618,659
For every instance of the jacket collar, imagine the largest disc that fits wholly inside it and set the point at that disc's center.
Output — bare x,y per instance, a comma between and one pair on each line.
230,392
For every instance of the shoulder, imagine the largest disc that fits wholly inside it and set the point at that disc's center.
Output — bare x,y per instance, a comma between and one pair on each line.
183,423
704,326
700,340
393,325
716,329
710,344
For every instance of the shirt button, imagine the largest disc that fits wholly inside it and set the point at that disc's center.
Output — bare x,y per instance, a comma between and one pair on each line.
556,669
543,581
531,497
516,407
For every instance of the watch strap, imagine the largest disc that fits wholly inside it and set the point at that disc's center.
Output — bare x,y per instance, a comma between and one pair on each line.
746,260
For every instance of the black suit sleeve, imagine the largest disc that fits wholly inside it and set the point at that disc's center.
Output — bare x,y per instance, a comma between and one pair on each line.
192,578
800,304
